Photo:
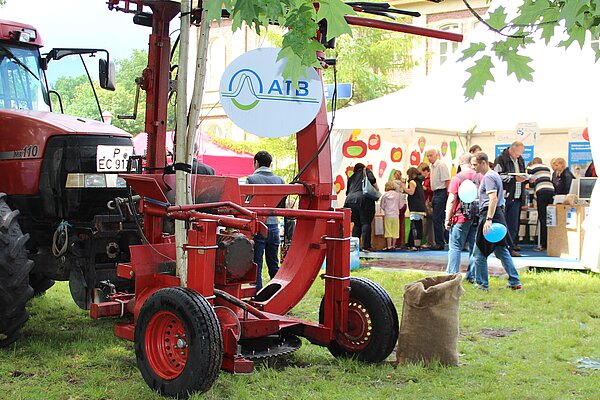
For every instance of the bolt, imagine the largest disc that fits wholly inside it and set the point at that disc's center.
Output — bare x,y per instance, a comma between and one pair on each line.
181,343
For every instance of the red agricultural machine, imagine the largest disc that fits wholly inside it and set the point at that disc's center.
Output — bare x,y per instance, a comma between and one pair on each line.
120,260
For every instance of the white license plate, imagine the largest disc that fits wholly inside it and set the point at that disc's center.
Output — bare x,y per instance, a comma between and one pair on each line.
113,158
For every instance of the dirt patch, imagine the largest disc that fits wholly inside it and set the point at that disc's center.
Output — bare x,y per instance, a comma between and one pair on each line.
283,362
490,333
20,374
483,305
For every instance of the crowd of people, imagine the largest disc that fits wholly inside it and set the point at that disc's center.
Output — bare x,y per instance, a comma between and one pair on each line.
438,216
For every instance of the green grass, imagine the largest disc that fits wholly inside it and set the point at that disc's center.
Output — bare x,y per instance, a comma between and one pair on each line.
551,324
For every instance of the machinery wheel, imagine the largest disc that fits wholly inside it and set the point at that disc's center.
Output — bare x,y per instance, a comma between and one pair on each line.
40,284
178,342
372,324
14,275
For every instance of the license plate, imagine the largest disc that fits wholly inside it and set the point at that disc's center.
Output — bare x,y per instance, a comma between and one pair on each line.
112,158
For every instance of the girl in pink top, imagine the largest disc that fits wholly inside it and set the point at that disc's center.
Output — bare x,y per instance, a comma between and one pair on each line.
390,205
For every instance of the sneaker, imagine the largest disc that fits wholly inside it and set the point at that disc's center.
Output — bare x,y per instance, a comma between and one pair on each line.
539,248
514,253
412,249
481,287
515,287
517,247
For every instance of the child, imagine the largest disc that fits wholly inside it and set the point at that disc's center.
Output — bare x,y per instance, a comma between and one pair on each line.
390,205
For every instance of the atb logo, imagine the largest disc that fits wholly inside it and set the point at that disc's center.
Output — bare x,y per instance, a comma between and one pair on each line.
246,90
257,98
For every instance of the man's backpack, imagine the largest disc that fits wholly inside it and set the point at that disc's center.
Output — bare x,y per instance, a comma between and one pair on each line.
469,210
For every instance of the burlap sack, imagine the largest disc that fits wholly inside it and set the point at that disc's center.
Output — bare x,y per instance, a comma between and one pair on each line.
429,327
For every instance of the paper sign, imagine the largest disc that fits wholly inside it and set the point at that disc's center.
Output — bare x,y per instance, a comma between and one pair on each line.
379,225
571,218
551,216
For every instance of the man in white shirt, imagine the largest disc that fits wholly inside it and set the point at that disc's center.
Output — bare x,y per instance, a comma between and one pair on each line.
440,178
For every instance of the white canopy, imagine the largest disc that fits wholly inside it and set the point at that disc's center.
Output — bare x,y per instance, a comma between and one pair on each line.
562,96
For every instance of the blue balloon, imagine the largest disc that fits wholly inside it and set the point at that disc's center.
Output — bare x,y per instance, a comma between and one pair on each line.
496,233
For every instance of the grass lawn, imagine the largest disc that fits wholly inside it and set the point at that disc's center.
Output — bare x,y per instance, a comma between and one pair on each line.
513,345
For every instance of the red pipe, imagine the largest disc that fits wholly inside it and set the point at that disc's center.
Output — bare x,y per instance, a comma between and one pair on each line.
394,26
301,214
191,207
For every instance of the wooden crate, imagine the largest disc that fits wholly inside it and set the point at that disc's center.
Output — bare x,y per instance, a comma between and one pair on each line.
565,238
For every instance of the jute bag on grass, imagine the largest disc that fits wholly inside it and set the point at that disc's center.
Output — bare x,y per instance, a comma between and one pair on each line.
429,327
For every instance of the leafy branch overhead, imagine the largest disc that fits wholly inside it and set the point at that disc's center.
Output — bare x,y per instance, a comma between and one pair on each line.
299,18
573,18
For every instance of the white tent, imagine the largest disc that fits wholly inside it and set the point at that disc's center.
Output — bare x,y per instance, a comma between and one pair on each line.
562,96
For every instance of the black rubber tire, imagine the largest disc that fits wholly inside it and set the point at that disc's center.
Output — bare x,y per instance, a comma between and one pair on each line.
40,283
203,335
15,291
371,301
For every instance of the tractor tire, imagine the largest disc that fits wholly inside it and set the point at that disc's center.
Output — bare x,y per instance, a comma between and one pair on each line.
178,342
40,284
372,324
15,291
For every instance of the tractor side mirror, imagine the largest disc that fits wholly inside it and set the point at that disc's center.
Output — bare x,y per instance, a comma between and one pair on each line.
106,74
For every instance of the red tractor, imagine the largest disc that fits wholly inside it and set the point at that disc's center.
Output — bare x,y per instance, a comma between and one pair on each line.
186,329
58,174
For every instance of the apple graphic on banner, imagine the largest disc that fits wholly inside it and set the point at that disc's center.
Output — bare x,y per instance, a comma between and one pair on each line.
354,148
370,166
339,184
396,154
415,158
374,142
586,135
382,167
349,171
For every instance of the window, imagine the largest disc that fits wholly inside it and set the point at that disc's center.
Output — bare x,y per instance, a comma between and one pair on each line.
216,63
446,48
215,131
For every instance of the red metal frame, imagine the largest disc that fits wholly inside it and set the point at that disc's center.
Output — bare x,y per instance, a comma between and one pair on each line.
319,231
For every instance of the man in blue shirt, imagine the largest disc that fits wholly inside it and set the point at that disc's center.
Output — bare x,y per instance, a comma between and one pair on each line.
491,205
267,246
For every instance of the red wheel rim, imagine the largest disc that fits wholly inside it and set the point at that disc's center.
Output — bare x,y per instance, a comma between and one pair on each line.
359,327
166,345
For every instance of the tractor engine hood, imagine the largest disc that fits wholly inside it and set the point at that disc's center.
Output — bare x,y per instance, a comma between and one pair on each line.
28,122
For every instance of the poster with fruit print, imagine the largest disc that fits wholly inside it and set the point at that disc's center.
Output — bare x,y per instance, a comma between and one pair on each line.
384,154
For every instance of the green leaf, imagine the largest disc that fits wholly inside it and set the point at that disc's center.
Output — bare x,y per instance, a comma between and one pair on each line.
549,23
480,75
473,49
573,11
530,12
333,11
214,9
576,33
519,65
497,18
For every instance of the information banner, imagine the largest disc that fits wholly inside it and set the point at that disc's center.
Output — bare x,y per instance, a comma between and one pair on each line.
527,154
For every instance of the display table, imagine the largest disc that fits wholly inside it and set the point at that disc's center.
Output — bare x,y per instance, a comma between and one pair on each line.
565,234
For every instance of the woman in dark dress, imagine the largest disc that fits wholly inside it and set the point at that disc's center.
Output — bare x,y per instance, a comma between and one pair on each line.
562,176
416,206
363,209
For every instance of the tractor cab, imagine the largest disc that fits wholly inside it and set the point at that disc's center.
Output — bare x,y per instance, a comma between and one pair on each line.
23,84
22,79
